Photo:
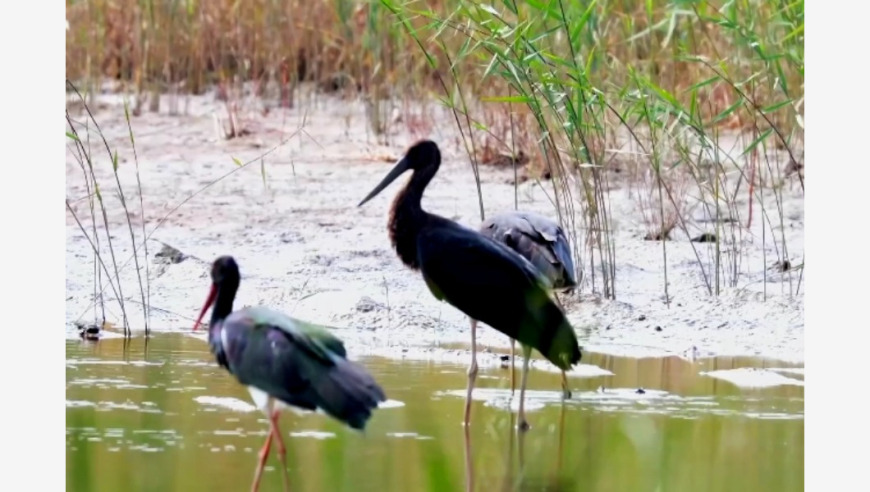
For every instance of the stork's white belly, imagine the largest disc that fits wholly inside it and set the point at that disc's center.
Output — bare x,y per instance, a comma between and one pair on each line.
260,397
265,402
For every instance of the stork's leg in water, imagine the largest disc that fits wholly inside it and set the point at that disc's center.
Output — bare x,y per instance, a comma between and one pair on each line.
264,453
522,424
521,453
566,391
472,371
282,450
469,464
561,439
513,371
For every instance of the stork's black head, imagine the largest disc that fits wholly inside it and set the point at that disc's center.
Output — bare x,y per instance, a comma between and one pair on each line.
225,279
224,270
423,155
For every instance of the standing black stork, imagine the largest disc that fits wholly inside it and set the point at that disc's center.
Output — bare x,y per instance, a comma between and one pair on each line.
284,362
481,277
541,241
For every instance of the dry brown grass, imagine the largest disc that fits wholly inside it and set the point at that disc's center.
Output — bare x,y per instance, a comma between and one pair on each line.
191,46
194,45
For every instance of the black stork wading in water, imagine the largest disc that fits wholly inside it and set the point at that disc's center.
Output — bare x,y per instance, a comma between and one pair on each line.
284,362
541,241
481,277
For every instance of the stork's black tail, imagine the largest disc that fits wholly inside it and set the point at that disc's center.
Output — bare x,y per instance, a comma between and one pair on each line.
347,392
563,350
548,330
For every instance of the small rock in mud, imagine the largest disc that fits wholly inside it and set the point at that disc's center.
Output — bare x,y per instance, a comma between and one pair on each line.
367,304
168,254
373,253
88,331
642,317
705,238
658,236
658,328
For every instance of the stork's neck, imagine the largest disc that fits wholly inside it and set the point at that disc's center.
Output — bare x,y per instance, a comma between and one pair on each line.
223,306
407,216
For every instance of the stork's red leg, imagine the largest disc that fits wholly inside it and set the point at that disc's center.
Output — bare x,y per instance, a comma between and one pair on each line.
264,453
282,450
472,371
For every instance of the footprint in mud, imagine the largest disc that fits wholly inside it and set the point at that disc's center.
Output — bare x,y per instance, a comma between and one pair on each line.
291,237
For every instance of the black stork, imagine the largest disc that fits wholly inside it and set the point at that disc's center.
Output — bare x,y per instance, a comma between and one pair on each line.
541,241
481,277
284,362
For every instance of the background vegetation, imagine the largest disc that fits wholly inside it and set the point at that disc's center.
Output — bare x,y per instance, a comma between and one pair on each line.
581,93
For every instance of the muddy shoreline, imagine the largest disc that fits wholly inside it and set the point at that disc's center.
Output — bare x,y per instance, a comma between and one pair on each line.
305,248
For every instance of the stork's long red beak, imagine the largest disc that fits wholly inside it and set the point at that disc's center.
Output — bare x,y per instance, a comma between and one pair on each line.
208,302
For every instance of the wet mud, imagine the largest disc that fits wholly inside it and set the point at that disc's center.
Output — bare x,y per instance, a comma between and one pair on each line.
304,247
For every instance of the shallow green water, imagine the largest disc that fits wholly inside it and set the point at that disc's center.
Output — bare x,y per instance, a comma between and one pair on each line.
167,418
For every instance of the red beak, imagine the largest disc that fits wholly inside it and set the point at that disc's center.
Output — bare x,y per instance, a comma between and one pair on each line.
208,302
